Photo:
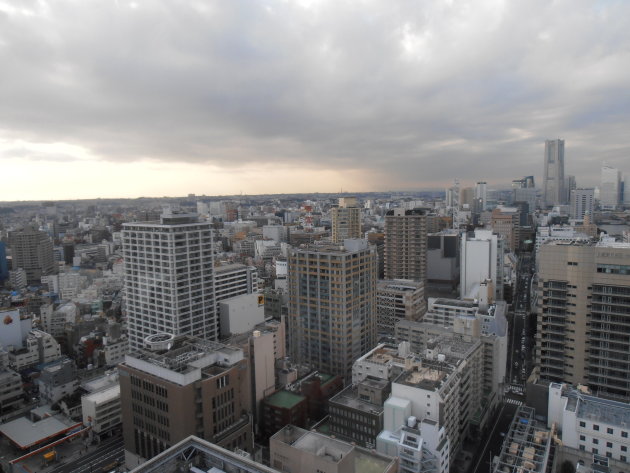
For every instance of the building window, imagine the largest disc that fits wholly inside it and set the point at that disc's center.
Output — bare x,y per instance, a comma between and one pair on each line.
624,434
595,451
624,448
582,424
609,444
595,441
610,431
582,438
595,427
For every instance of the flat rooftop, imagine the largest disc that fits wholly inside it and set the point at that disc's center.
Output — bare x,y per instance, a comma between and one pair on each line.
603,410
429,376
25,433
284,399
349,397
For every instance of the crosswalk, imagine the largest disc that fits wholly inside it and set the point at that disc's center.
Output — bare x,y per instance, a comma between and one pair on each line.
515,402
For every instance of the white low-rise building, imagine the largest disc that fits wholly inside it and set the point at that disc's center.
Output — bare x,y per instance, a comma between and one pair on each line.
102,409
590,425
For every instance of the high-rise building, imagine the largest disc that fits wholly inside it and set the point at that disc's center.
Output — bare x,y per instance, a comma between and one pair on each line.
569,185
32,251
332,305
4,267
553,174
184,386
481,195
406,244
583,333
581,203
346,220
481,260
399,299
169,277
610,188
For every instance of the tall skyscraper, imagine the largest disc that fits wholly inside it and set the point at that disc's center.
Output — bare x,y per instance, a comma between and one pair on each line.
32,251
481,195
169,277
332,305
583,333
553,175
581,203
346,220
406,244
610,188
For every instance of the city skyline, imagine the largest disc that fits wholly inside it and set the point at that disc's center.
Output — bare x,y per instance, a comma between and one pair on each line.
151,99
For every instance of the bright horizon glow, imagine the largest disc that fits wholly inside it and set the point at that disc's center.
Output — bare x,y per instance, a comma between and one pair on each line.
126,99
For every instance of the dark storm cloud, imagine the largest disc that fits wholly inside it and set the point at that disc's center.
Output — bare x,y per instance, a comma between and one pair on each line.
420,91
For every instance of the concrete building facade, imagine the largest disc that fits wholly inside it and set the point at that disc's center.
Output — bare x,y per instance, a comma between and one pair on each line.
332,305
406,244
553,173
185,386
583,310
169,278
346,220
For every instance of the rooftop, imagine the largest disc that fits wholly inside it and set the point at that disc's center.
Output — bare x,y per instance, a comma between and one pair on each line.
284,399
24,433
527,445
424,377
601,410
349,397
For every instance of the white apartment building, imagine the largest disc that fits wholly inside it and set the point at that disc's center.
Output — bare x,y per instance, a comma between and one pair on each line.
481,259
169,277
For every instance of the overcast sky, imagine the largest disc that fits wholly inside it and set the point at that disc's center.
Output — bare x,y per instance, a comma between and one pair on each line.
122,99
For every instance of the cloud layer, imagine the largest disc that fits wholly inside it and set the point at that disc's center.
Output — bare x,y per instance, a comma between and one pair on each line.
407,94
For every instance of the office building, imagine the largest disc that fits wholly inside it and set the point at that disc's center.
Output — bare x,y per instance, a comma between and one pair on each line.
231,280
553,174
346,220
32,251
489,326
443,259
581,203
481,260
589,426
398,299
100,405
293,449
356,413
406,244
481,196
610,188
184,386
583,324
332,305
169,277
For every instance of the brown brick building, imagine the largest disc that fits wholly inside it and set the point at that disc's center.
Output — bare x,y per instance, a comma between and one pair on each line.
195,387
